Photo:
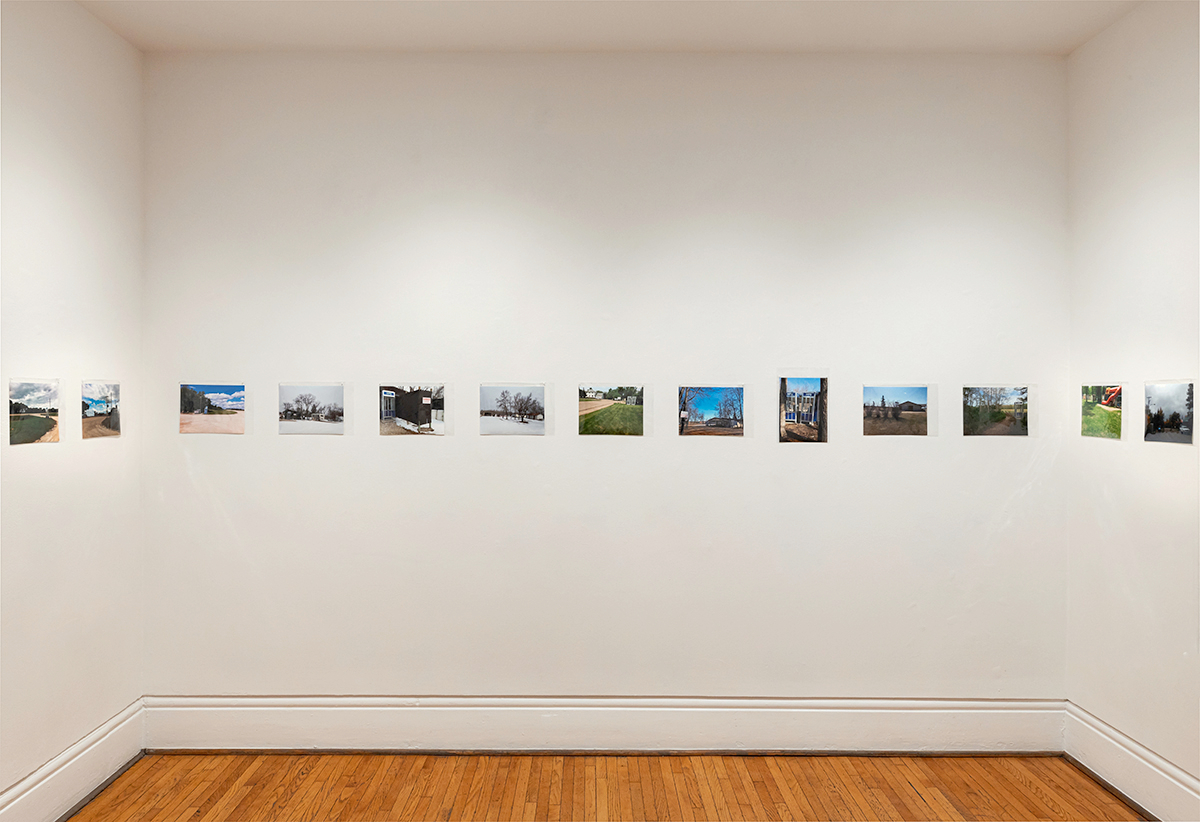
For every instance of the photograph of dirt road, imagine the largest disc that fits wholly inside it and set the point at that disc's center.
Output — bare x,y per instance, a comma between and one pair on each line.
1101,411
212,409
412,409
996,411
896,410
1169,412
611,409
711,411
512,410
101,411
314,408
802,409
32,411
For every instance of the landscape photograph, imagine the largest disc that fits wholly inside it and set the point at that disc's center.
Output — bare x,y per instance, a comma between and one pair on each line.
803,403
316,408
706,411
1169,412
212,409
1101,411
512,410
996,411
611,409
32,411
101,411
896,410
412,409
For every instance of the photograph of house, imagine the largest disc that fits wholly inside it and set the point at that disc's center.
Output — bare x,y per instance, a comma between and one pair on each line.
101,411
803,403
711,411
896,410
412,409
512,410
32,412
316,408
611,409
996,411
1101,411
1169,412
212,409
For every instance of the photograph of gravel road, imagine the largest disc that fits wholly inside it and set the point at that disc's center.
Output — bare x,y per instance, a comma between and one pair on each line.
711,411
1169,412
32,411
101,410
611,409
512,410
312,408
1101,412
212,409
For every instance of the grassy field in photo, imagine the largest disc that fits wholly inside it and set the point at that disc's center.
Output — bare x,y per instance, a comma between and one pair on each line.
1099,421
23,428
911,423
617,418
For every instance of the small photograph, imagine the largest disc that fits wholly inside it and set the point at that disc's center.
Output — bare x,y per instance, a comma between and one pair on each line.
802,409
512,410
212,409
1102,411
996,411
1169,412
711,411
412,409
896,410
611,409
311,409
101,414
32,411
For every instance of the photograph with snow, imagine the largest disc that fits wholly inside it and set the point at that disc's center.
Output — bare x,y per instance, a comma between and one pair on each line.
314,408
32,411
101,412
412,409
212,409
1169,412
611,409
711,411
512,410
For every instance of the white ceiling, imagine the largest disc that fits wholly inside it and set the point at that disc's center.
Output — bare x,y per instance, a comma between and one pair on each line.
955,26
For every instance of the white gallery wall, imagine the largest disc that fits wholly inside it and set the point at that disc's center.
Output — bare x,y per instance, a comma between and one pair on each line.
71,583
1134,612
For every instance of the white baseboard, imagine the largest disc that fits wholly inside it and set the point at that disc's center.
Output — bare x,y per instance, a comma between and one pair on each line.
60,784
600,723
1159,786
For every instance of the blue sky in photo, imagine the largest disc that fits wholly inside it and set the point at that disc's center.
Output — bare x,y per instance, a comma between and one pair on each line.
232,397
93,394
896,393
708,399
804,385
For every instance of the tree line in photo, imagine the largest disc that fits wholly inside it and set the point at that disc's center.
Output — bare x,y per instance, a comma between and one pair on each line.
518,406
192,401
308,407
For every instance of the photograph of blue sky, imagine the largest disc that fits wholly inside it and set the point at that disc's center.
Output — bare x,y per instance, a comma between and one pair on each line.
804,385
895,393
706,401
232,397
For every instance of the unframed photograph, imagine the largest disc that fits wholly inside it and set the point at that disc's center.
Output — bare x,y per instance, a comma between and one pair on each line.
101,409
512,410
212,409
1101,412
711,411
412,409
311,409
32,412
1169,412
802,409
896,410
996,411
611,409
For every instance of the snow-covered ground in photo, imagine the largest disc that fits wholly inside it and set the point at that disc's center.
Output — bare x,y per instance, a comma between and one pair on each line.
438,426
310,427
499,425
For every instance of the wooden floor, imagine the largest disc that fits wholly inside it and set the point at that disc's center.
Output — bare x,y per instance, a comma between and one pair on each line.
249,786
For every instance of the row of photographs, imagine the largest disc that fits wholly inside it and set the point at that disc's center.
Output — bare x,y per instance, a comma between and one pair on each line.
519,410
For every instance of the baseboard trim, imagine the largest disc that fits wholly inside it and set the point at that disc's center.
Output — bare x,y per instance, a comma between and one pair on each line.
70,778
1136,773
602,724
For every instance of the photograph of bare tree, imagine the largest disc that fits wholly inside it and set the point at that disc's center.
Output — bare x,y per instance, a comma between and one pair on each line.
802,409
512,410
1101,411
32,411
101,410
896,410
996,411
711,411
311,409
212,409
1169,412
611,409
412,409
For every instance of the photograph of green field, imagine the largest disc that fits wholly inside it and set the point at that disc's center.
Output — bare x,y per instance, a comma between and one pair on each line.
611,409
32,412
1102,411
992,411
